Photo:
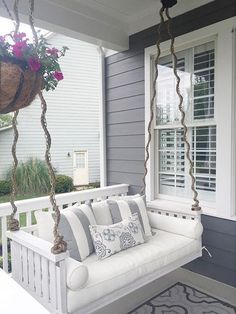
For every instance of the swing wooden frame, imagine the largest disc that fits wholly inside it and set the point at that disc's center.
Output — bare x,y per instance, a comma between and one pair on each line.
43,274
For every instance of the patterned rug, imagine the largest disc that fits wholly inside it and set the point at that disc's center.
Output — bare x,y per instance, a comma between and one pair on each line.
182,299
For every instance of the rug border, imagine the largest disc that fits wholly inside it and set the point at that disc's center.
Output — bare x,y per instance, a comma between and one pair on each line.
183,284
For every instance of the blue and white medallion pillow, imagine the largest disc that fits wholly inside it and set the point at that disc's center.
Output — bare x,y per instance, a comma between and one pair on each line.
112,239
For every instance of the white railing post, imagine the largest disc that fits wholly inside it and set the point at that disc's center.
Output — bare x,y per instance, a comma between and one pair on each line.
4,244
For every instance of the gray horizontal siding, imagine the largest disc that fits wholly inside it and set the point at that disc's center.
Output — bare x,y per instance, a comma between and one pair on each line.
136,115
125,154
126,129
132,141
134,102
126,140
128,77
130,90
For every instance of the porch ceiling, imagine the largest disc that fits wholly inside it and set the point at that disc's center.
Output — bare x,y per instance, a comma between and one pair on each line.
104,22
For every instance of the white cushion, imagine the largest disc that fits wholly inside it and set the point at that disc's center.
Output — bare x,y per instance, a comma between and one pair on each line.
186,227
123,208
45,223
117,271
111,239
76,274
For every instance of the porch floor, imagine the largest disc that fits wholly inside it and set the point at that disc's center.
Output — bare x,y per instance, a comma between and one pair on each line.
175,288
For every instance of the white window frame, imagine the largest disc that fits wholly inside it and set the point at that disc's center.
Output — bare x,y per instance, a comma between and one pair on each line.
225,116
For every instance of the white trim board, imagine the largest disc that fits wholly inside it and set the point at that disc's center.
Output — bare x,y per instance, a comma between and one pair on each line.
205,284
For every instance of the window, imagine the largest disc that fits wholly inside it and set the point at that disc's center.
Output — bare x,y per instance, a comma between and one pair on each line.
196,68
206,66
80,159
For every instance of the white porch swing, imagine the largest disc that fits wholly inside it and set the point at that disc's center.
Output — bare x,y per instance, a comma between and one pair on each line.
64,285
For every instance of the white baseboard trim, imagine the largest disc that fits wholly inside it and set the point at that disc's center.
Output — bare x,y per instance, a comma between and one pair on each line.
205,284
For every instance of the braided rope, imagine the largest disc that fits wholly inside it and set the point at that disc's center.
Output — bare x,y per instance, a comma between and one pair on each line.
31,22
17,19
165,8
195,206
13,223
152,103
59,245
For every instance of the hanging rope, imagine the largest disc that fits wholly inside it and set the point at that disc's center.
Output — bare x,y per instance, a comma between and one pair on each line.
152,103
166,4
13,223
195,206
31,22
59,244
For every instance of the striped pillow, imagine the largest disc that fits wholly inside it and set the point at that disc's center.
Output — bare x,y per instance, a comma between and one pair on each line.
124,208
74,226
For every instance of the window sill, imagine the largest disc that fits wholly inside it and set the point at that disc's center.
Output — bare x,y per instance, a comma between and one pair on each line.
185,208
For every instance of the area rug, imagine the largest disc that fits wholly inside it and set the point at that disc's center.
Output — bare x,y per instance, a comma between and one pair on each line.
183,299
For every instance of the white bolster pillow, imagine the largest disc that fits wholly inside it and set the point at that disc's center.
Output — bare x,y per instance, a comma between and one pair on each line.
76,274
189,228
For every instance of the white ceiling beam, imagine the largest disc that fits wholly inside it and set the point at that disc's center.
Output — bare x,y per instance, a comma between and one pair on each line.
76,20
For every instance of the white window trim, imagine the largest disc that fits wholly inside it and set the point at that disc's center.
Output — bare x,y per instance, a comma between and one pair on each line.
221,32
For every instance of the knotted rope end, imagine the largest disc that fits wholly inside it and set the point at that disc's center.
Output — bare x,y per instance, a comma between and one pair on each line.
13,224
196,208
60,246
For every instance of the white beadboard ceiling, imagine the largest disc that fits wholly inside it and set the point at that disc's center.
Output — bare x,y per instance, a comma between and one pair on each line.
103,22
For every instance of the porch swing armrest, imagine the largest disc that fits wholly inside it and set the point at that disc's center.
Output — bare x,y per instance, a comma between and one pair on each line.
36,245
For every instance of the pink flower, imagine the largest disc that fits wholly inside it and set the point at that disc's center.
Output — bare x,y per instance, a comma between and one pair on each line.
19,36
18,48
52,51
34,64
2,39
58,75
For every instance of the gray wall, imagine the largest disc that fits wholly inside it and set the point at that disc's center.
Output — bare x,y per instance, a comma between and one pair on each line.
73,114
125,132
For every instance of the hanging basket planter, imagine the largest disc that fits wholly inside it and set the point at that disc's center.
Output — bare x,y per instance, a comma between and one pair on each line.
25,69
18,86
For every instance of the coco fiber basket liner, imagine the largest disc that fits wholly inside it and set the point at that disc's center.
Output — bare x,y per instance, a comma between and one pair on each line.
18,86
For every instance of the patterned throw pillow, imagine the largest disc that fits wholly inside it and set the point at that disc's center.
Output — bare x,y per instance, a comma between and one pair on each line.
124,208
112,239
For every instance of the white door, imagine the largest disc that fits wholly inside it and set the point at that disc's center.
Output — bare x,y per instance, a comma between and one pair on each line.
81,168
